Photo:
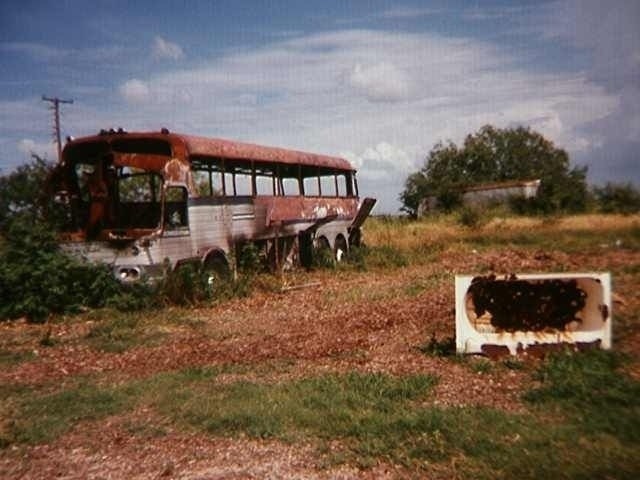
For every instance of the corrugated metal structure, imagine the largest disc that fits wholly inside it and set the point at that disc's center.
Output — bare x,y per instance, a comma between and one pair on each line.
486,193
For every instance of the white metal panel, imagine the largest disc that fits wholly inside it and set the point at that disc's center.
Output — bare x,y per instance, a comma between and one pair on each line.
595,325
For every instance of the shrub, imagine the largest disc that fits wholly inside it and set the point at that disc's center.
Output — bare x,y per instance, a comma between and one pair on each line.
469,216
323,257
185,285
439,348
385,256
618,198
249,259
36,278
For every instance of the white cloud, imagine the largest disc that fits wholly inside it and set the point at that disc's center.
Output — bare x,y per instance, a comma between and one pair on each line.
407,12
387,96
383,161
382,82
44,150
37,51
165,49
55,55
135,91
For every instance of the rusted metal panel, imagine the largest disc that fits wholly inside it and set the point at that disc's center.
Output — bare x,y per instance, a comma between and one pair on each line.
532,312
298,208
183,145
215,147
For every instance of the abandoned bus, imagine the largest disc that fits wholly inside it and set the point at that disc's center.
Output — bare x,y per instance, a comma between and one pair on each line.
141,201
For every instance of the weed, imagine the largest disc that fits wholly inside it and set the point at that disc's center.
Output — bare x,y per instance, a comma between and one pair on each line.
187,284
323,258
249,259
44,417
46,340
144,430
365,417
132,298
591,389
512,363
385,256
469,216
439,348
121,332
356,257
481,365
11,357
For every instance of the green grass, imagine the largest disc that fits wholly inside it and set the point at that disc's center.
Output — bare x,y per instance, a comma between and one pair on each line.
590,389
583,421
13,357
43,417
121,331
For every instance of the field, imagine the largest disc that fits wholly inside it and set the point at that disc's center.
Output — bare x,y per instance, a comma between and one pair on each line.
335,373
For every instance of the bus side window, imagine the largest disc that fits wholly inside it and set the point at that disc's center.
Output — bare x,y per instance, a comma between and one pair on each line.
342,185
216,183
311,187
291,187
175,209
328,185
243,184
201,179
264,185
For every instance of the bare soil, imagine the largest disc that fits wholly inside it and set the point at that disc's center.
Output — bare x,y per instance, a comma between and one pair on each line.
365,321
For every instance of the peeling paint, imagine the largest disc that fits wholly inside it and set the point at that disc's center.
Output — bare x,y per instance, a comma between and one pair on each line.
144,209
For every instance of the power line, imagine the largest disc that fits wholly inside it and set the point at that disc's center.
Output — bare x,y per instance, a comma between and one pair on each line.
55,101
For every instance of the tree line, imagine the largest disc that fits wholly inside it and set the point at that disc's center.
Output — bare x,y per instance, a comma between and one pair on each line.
499,155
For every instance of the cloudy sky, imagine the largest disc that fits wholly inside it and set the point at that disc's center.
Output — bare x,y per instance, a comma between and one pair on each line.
378,82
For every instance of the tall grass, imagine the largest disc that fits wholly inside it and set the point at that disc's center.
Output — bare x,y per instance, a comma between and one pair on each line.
574,232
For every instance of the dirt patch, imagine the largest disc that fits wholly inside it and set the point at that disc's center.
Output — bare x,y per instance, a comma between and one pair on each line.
114,452
369,322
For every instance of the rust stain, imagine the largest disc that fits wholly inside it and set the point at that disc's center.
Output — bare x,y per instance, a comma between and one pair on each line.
542,350
286,209
495,352
246,151
169,154
143,161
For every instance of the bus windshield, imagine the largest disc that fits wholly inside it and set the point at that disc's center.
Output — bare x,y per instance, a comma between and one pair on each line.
114,188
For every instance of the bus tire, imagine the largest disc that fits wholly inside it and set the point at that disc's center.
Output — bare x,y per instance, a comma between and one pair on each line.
340,248
216,267
322,253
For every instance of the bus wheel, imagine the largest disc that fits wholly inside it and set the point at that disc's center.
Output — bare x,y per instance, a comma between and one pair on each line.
340,248
322,253
216,268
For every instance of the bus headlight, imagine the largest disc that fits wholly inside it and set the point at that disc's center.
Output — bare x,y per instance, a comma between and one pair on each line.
128,274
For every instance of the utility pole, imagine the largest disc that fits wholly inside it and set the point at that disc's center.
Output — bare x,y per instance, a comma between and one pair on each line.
55,101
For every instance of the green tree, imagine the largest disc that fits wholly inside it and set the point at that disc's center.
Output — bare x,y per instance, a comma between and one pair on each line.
23,191
618,198
496,155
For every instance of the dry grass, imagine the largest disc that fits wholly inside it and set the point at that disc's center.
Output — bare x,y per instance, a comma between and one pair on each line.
441,230
334,374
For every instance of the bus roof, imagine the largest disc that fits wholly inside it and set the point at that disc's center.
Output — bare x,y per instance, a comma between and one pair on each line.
221,148
238,150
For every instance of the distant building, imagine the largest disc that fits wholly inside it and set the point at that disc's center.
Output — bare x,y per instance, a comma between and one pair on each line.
485,193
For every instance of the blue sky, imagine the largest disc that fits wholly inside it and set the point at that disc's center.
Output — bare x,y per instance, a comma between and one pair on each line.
378,82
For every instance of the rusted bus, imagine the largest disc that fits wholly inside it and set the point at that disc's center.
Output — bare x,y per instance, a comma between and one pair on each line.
137,199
